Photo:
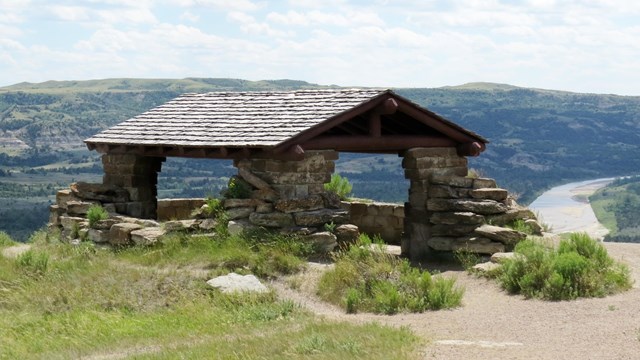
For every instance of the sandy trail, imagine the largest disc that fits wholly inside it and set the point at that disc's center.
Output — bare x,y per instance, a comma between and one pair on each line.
494,325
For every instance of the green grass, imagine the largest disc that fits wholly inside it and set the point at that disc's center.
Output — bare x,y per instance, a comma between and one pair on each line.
579,267
367,279
96,213
6,240
91,302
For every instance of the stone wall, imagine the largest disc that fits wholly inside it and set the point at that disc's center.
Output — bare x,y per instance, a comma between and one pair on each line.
178,209
382,219
448,211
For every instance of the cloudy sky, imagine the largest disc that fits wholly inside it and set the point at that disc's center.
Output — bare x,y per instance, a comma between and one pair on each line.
584,46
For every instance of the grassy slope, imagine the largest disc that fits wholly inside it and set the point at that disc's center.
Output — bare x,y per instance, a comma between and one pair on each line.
616,207
61,301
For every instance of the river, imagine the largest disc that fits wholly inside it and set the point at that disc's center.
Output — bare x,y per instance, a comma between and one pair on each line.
566,208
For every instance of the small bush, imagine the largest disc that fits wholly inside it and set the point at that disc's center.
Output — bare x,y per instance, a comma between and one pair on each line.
520,225
214,207
365,278
580,267
33,262
339,185
468,259
95,214
237,189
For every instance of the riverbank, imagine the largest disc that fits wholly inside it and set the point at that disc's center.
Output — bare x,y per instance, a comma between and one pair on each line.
566,208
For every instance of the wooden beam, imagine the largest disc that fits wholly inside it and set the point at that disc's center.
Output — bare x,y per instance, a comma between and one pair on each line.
373,144
470,149
375,125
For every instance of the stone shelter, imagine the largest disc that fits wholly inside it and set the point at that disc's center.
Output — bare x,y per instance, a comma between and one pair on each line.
284,144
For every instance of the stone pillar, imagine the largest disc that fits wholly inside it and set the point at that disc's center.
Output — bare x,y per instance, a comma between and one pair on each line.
420,165
295,179
139,176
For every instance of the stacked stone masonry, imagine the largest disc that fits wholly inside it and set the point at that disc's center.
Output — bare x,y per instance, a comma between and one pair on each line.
377,219
448,211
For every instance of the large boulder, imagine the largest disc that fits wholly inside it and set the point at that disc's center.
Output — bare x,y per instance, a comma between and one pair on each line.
233,283
347,233
146,236
323,242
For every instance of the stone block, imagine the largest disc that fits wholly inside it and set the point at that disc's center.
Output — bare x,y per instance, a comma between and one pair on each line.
347,233
284,191
429,152
317,188
433,162
99,192
323,242
484,207
500,234
64,196
489,194
313,202
239,212
418,198
181,225
455,218
482,183
453,231
398,211
208,224
98,236
146,236
140,194
452,180
105,224
71,222
302,191
441,243
235,203
510,216
332,200
252,179
534,225
270,195
448,192
321,217
275,219
358,209
120,234
478,246
78,208
264,208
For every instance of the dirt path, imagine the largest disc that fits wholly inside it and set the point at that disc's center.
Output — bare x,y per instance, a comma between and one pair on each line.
494,325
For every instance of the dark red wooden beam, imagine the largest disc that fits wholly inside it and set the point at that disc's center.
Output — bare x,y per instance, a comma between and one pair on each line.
372,144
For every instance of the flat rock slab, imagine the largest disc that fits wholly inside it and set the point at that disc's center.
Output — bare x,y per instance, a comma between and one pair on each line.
13,252
486,267
232,283
147,236
503,235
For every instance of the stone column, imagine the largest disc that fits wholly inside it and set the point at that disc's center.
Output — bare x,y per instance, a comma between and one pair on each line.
420,165
139,176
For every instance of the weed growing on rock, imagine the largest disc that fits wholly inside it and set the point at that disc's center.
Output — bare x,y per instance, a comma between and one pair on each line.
95,214
579,267
365,278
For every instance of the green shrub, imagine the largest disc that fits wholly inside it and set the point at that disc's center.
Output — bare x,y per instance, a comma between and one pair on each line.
214,207
520,225
468,259
237,189
365,278
579,267
339,185
33,262
95,214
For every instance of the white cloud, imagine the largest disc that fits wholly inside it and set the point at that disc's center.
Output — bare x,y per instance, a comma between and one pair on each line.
225,5
249,25
189,16
314,18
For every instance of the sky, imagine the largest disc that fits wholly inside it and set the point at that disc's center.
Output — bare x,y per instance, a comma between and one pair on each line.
583,46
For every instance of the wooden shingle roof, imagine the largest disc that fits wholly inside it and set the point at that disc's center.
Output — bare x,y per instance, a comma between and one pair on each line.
233,124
